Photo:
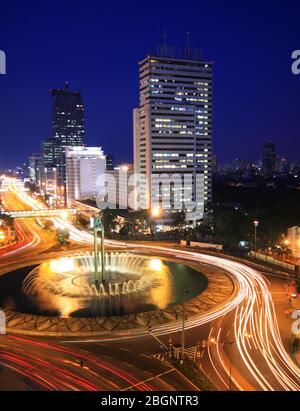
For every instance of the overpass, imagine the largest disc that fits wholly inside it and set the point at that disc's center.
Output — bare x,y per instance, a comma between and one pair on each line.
63,213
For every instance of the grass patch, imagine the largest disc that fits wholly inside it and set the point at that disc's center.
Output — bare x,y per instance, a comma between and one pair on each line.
194,374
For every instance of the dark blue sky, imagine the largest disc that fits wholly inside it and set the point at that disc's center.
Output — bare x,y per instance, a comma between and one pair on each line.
96,47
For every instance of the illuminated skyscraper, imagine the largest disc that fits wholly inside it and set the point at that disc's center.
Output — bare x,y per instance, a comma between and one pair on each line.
67,127
67,117
173,127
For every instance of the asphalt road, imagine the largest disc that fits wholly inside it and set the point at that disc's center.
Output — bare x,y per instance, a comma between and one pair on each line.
247,341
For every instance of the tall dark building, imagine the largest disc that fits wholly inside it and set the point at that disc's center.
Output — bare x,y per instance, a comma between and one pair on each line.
67,117
67,128
269,158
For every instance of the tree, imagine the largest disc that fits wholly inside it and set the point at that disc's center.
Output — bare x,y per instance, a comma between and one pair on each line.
179,219
126,230
63,236
48,224
7,219
109,220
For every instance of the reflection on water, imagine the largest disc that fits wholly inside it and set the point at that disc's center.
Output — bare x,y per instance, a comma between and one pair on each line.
133,283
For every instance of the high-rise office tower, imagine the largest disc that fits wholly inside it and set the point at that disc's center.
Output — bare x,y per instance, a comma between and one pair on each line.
48,172
173,130
269,158
67,117
67,126
48,159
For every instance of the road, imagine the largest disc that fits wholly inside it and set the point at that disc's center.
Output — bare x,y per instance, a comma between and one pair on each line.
45,364
248,338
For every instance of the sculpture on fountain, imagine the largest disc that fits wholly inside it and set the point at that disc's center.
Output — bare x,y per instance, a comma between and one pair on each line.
97,225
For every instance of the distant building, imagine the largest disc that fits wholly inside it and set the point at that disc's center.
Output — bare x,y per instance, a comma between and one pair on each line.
118,192
67,117
84,165
173,129
47,156
67,126
282,165
214,164
269,159
241,165
34,167
294,240
109,162
49,183
48,172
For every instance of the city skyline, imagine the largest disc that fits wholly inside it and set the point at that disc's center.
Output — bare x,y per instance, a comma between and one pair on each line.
255,92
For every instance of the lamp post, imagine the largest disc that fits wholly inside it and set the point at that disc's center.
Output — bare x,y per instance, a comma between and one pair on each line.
155,212
255,222
185,291
213,341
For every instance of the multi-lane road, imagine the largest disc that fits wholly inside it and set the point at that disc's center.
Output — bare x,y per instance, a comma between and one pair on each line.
247,340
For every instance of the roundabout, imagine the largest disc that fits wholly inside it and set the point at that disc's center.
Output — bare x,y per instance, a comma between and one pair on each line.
61,296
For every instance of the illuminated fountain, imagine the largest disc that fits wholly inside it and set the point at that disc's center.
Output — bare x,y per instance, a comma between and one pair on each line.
73,284
74,276
99,284
68,283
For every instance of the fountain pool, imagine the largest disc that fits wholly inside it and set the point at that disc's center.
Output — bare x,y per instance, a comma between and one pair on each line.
133,283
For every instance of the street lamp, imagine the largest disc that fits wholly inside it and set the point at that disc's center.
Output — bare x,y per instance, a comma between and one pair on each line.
213,341
155,212
185,291
255,222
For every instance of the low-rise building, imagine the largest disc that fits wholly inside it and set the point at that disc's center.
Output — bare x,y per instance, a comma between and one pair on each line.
84,168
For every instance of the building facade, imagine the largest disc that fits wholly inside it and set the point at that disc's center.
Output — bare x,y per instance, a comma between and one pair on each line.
294,241
269,159
173,134
84,168
67,127
34,167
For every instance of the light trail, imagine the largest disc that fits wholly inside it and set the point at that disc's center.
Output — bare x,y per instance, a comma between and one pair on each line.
266,360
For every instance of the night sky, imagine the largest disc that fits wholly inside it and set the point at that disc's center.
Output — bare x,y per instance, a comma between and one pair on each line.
96,47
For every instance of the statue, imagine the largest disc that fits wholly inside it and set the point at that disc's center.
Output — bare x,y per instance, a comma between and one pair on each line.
97,226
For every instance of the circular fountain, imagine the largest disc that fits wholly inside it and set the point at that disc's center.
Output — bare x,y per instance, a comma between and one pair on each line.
133,283
68,287
99,293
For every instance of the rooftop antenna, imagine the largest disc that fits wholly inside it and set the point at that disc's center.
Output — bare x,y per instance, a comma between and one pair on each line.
187,45
165,47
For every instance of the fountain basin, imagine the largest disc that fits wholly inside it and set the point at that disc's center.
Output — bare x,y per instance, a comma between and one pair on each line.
133,283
